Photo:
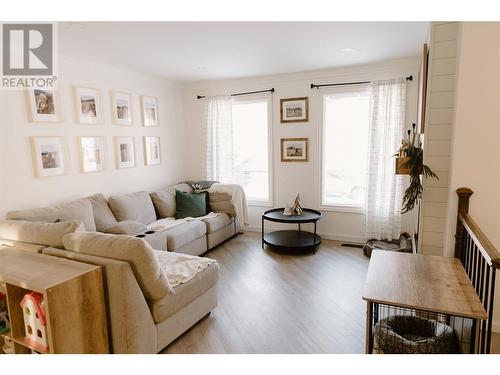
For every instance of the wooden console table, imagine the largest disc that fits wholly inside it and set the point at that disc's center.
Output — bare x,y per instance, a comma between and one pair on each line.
433,284
73,301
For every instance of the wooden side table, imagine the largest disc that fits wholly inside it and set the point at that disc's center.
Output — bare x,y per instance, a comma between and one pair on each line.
73,301
421,284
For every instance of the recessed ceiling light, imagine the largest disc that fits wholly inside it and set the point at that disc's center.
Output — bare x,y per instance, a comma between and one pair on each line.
79,25
347,49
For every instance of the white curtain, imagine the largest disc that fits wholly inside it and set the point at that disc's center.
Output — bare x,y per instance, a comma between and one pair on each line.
219,139
387,124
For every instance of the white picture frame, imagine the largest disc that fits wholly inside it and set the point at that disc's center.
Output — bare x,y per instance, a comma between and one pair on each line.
149,109
152,151
87,105
91,154
49,156
121,108
42,105
125,152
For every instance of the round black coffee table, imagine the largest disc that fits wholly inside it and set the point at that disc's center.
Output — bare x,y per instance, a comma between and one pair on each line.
291,239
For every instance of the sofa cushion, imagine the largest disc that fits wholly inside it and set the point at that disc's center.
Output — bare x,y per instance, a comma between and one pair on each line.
40,233
126,227
103,216
217,222
135,207
184,233
164,202
77,210
186,292
221,202
150,276
190,204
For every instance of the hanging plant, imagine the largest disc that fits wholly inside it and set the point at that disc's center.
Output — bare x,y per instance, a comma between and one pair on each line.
415,163
415,166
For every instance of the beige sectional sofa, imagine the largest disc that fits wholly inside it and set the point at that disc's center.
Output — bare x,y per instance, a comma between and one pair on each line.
149,216
152,295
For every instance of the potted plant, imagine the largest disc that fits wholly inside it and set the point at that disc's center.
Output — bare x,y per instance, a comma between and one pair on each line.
411,161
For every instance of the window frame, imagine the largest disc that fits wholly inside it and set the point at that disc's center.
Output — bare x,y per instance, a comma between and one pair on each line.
361,209
269,99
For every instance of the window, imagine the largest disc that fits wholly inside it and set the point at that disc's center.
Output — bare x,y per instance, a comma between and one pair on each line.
345,140
251,147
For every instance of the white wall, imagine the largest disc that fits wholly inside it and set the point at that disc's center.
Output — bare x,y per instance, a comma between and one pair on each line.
20,189
292,178
476,155
476,152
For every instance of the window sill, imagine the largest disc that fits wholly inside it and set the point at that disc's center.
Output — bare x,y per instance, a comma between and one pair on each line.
259,204
347,209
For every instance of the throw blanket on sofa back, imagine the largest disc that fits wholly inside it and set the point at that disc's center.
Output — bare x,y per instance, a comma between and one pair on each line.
238,200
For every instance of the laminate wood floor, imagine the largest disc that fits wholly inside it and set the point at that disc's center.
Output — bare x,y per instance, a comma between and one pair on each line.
280,303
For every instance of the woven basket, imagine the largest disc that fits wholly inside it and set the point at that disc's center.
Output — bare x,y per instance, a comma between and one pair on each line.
402,334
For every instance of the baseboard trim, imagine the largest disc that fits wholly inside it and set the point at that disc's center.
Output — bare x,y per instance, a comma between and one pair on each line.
326,236
495,327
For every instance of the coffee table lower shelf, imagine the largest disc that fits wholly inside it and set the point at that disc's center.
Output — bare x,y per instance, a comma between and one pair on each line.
292,239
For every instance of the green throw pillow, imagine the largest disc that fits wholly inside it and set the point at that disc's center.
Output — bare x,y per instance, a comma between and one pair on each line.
190,204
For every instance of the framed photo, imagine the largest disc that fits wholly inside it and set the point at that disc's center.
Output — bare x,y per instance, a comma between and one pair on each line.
152,153
91,154
42,105
87,105
294,149
48,156
294,110
149,110
125,152
121,108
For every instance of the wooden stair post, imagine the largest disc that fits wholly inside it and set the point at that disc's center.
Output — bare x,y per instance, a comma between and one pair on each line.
463,206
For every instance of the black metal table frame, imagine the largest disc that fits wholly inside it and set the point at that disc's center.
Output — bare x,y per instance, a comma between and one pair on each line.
292,221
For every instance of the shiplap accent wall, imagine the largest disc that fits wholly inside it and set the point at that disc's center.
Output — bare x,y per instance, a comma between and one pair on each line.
438,135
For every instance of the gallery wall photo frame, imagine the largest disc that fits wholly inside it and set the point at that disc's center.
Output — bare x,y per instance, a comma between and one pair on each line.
92,153
152,150
87,103
124,152
42,105
294,110
149,110
121,108
294,149
49,156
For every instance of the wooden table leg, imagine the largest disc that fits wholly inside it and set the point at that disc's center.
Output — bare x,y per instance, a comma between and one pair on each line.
369,336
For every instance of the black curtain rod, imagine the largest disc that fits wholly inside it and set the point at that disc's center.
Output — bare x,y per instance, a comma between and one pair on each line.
242,93
313,86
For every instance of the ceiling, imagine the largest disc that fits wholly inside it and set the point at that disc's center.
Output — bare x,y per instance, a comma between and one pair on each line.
195,51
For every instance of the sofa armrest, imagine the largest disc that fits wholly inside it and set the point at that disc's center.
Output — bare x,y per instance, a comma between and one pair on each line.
130,323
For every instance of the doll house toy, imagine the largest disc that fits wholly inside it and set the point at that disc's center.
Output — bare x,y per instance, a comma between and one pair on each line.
35,321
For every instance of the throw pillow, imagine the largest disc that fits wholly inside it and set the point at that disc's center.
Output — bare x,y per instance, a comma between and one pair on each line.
190,204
